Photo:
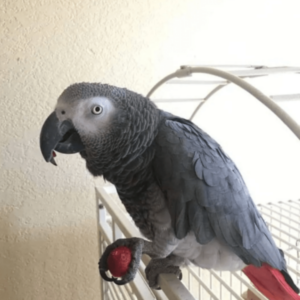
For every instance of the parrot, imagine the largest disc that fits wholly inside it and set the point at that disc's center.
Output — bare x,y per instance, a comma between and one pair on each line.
184,193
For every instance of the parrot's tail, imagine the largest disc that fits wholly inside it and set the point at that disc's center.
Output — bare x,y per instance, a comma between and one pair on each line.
287,276
290,281
274,284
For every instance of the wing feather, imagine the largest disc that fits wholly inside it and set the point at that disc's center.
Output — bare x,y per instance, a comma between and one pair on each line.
206,193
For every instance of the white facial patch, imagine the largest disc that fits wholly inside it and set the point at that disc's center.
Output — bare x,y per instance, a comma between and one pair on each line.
85,115
85,120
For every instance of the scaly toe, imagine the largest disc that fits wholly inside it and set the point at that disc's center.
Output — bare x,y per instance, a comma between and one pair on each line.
156,268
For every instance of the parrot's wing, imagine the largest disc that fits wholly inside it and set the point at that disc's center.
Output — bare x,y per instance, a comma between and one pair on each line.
205,193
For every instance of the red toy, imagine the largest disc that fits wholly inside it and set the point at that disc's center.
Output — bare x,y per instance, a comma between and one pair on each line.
118,261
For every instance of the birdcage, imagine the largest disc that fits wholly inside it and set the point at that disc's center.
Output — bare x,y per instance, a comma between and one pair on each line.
281,217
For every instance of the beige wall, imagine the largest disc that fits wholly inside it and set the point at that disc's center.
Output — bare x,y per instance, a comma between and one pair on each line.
48,241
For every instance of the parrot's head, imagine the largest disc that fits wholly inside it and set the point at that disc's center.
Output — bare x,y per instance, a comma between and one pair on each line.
97,120
83,114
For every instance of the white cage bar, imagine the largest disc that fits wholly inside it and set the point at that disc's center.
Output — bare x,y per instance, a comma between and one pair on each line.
114,222
282,218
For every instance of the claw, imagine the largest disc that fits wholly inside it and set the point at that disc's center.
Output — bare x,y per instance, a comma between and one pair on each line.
167,265
119,282
104,276
180,276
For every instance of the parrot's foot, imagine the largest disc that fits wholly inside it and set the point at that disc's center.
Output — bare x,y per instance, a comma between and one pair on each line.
161,265
136,246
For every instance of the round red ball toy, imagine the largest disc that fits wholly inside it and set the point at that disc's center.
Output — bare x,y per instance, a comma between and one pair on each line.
118,261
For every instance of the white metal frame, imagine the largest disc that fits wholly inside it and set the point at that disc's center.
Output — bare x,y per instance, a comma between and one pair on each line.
282,218
114,222
236,77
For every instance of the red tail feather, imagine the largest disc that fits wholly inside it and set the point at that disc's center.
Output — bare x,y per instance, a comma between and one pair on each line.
270,282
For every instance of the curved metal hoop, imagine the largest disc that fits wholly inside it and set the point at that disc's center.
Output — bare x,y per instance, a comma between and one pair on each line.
206,98
277,110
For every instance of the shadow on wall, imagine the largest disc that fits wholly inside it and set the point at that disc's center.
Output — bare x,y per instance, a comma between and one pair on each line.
39,263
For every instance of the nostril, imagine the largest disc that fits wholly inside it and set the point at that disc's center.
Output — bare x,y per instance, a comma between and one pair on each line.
63,112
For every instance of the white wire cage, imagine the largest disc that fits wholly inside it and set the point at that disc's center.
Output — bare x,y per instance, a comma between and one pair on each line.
282,217
114,222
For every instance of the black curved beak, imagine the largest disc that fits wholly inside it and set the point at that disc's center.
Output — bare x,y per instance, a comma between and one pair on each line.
59,136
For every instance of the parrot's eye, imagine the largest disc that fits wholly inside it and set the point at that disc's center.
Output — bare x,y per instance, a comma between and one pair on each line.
97,110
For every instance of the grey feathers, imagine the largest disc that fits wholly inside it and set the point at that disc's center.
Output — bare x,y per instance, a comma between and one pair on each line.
146,152
206,193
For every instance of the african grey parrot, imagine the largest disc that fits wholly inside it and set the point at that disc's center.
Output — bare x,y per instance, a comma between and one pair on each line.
183,192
